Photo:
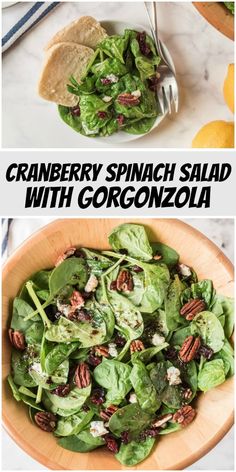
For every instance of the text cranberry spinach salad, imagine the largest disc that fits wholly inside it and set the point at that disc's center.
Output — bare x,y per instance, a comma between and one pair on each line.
118,88
110,348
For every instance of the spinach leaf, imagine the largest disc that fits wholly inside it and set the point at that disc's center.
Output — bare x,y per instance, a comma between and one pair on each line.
14,388
147,354
133,238
130,418
157,279
211,375
57,355
115,377
20,310
75,443
173,304
170,395
168,255
34,333
180,335
20,369
66,406
127,316
142,126
222,305
73,425
207,325
135,451
42,379
170,428
115,46
204,290
72,271
144,388
227,356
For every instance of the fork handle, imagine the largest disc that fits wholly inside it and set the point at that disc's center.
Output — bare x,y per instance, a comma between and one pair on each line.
154,33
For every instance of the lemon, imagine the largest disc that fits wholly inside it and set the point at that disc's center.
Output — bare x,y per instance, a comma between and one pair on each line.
216,134
228,89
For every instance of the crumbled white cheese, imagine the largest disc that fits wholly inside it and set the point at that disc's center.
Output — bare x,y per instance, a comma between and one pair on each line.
113,78
157,340
36,366
97,428
136,93
63,308
133,398
112,350
173,376
92,284
107,99
185,270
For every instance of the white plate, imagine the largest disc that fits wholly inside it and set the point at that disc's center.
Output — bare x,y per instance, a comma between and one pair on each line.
8,4
118,27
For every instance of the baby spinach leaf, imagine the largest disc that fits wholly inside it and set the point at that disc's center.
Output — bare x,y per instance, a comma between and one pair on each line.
73,424
211,375
170,395
42,379
114,46
72,271
173,305
127,316
130,418
222,305
157,279
20,310
20,369
57,355
170,428
66,406
134,452
227,356
115,377
133,238
147,354
14,388
76,444
204,290
207,325
88,334
168,255
144,388
34,333
180,335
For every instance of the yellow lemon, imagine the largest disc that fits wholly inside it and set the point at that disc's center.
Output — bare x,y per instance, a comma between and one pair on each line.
229,87
216,134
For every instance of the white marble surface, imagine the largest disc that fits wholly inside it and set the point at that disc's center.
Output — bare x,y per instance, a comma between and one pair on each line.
201,55
221,231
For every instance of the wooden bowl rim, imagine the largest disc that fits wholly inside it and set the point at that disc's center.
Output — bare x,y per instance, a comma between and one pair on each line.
194,456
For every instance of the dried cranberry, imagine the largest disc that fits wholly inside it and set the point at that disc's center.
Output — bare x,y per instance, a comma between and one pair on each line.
123,251
171,353
94,360
136,268
105,81
119,340
85,408
143,46
75,111
98,396
153,83
113,285
111,443
86,295
61,390
102,115
79,253
149,433
205,351
125,437
120,119
83,315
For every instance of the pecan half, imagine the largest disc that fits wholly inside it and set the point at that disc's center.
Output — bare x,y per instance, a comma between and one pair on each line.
184,415
192,308
17,339
68,253
82,375
46,421
61,390
108,412
124,281
136,346
162,420
189,348
101,351
128,100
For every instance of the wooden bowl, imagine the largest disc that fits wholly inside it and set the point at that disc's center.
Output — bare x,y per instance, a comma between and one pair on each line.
218,16
214,409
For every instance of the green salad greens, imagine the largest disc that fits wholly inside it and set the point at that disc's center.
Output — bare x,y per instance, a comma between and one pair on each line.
230,6
110,348
118,88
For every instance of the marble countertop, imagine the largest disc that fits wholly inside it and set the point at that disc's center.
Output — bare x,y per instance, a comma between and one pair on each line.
221,232
201,55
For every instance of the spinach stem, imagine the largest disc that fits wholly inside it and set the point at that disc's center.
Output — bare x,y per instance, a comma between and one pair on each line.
29,286
35,312
39,394
27,391
116,255
105,274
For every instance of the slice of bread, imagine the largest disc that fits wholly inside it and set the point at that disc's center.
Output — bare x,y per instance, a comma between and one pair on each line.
61,62
86,30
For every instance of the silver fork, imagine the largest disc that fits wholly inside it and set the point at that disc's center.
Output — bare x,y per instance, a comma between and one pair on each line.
167,91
